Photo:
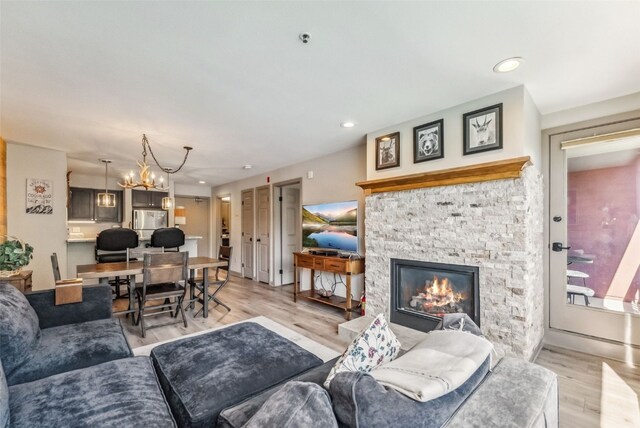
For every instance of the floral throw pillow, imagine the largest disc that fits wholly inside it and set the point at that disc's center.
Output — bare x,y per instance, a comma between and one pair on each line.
373,347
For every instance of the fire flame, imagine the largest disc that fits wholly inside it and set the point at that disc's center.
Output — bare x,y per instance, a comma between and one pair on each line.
438,293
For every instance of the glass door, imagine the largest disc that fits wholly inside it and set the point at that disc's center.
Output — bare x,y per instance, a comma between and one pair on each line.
594,185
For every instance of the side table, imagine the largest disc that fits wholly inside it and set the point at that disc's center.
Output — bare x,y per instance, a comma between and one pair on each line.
21,280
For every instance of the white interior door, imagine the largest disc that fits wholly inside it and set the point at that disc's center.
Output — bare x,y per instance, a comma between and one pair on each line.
290,230
262,233
247,233
594,207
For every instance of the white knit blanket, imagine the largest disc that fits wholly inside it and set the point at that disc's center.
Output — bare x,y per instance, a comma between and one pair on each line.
436,366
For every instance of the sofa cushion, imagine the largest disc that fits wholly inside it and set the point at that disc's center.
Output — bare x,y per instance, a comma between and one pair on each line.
374,346
19,330
74,346
360,401
201,375
516,394
123,393
238,415
296,405
4,400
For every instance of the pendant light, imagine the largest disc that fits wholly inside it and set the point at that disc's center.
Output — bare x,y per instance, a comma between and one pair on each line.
106,199
167,201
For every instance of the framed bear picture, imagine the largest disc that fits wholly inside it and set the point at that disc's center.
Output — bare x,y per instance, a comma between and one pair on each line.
428,141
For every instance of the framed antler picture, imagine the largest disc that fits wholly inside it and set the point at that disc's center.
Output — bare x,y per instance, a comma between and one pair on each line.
482,130
388,151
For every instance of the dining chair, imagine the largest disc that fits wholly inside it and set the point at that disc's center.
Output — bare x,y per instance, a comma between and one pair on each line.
111,246
224,253
56,267
165,277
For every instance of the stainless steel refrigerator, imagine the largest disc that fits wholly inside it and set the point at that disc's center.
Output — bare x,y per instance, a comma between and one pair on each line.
146,221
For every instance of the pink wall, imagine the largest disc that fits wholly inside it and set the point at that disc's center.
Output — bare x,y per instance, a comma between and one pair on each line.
602,215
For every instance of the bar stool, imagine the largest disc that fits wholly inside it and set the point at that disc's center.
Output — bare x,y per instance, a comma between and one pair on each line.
111,247
167,237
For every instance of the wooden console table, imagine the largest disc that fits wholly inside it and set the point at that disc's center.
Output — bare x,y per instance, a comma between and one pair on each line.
21,280
339,265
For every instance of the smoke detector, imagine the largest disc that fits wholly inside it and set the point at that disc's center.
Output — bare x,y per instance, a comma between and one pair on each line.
305,37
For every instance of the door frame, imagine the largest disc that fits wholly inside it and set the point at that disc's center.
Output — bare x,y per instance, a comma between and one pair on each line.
217,229
558,337
277,226
253,243
270,275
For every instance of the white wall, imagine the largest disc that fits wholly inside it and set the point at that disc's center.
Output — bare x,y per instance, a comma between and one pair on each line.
47,233
192,190
334,178
592,111
518,112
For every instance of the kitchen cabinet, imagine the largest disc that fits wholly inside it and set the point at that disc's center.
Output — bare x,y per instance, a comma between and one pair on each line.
83,205
147,198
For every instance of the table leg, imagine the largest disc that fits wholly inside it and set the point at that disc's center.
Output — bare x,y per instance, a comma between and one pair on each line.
295,283
132,302
348,303
192,288
313,282
205,294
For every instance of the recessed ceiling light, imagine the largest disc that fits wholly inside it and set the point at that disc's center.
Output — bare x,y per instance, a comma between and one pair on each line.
247,166
508,65
347,124
202,182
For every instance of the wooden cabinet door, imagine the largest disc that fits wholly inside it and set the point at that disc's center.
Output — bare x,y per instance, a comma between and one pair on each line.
81,204
111,215
140,198
156,199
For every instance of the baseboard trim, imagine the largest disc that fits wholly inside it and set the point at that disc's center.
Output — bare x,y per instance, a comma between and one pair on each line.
625,353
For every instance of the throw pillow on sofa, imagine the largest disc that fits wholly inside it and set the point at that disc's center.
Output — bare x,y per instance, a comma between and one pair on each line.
4,400
19,327
374,346
296,405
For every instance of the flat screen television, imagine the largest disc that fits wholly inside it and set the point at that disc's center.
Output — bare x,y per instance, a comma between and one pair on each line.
332,226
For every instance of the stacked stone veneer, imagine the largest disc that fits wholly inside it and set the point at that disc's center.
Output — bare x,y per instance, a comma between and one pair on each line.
496,225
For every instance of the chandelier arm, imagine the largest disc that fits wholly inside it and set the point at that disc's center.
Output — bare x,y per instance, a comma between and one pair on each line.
168,170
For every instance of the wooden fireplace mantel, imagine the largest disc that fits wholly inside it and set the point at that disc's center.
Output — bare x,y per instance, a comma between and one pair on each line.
498,170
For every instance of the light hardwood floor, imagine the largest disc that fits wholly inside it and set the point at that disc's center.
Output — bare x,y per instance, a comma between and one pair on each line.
593,391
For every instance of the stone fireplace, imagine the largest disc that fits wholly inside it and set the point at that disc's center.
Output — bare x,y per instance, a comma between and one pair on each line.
494,224
423,292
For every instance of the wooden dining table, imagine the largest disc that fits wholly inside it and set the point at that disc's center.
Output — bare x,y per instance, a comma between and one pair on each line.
103,271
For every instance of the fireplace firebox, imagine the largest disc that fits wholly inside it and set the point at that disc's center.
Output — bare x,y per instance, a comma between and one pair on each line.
423,292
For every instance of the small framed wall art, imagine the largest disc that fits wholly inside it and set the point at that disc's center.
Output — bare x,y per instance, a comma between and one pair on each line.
428,141
39,196
482,130
388,151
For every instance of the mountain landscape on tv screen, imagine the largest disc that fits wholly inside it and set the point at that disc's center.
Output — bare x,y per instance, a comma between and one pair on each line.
331,226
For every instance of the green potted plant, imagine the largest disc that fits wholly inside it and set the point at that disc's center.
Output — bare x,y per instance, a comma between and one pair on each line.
14,255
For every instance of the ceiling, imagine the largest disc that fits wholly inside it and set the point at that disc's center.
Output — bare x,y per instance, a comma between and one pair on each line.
233,80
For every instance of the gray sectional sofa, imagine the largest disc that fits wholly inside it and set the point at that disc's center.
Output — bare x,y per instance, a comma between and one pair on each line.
71,366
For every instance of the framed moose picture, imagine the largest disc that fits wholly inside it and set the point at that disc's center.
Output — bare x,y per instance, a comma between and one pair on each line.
482,130
428,141
388,151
